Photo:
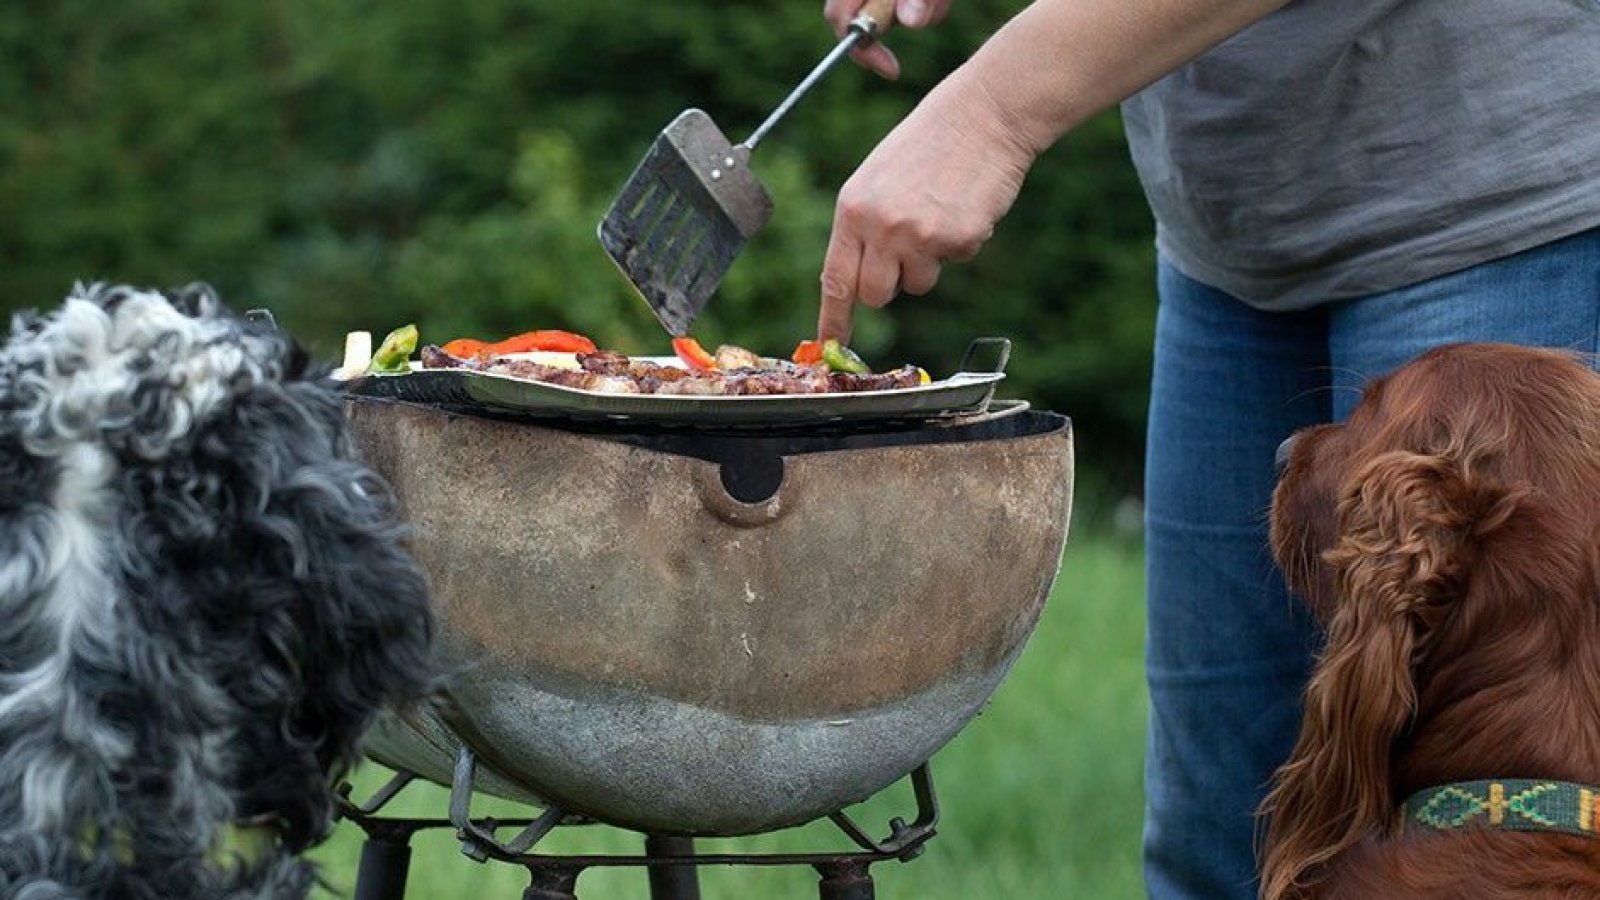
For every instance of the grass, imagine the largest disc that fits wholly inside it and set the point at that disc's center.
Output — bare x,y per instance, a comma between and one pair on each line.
1040,795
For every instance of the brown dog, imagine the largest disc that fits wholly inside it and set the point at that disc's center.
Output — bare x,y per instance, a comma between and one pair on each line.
1448,538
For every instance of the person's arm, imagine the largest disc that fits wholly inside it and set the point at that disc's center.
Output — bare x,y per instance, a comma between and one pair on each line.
933,189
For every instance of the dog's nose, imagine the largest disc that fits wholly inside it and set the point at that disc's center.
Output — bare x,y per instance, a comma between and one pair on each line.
1280,460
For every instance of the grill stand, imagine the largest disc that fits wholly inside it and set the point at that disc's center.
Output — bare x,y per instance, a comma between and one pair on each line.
671,861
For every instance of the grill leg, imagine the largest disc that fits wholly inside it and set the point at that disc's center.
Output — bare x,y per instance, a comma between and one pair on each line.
672,882
552,883
382,875
846,881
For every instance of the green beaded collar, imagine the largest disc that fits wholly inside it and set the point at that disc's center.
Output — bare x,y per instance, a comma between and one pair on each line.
1508,805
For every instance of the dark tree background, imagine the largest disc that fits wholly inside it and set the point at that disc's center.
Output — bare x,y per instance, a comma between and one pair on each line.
357,164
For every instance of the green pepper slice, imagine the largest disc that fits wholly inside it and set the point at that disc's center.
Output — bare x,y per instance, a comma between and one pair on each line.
840,358
394,354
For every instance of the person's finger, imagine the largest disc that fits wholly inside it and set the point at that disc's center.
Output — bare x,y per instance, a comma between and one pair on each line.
879,279
937,10
878,58
912,13
839,13
834,320
909,13
841,266
918,275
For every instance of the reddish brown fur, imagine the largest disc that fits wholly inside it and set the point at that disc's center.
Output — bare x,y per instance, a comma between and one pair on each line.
1448,538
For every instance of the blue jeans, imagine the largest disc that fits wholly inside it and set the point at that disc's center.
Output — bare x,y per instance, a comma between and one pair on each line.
1228,650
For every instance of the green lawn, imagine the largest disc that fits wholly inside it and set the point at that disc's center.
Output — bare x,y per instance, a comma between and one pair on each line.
1040,795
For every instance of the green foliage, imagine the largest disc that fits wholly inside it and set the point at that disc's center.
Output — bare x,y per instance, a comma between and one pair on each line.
354,164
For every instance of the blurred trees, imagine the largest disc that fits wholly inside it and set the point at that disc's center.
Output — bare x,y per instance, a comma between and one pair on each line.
356,164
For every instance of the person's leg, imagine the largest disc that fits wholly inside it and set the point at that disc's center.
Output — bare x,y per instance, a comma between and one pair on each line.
1548,296
1228,651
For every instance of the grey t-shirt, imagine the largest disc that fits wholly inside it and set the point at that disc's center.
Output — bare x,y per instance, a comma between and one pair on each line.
1340,148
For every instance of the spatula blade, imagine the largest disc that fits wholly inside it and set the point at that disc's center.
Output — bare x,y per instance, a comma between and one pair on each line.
682,216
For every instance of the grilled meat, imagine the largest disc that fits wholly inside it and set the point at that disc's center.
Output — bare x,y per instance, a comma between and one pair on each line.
730,357
603,381
610,372
434,357
903,377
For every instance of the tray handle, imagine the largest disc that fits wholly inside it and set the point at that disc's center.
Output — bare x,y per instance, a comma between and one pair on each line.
998,346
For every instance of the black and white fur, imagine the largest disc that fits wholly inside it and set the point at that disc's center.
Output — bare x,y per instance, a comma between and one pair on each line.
204,598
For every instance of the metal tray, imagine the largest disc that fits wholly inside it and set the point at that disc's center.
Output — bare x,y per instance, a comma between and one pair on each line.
967,392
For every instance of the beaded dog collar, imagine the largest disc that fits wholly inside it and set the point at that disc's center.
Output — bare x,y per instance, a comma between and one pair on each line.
1507,804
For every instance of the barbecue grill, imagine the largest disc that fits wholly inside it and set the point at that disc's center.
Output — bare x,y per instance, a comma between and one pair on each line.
692,630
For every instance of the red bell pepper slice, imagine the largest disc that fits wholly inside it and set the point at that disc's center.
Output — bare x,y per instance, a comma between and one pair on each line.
547,340
693,355
465,348
807,353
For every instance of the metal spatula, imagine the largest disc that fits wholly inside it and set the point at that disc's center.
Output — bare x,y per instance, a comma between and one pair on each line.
691,204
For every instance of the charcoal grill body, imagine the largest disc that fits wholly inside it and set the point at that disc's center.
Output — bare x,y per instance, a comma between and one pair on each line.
715,634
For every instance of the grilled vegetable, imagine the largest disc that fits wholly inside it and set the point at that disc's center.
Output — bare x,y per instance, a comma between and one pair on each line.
394,354
357,354
840,358
693,355
807,353
548,340
465,348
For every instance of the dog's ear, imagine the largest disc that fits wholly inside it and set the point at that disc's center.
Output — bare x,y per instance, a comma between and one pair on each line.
338,613
1409,524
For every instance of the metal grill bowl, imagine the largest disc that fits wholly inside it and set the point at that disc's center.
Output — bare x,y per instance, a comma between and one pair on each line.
704,634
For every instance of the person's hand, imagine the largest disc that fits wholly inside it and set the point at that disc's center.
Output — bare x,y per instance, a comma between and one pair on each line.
934,189
930,193
875,56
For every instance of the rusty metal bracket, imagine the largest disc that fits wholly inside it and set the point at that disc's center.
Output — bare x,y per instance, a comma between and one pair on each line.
845,876
905,842
379,799
478,841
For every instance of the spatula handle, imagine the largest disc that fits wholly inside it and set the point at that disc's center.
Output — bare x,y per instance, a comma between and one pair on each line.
872,21
875,17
